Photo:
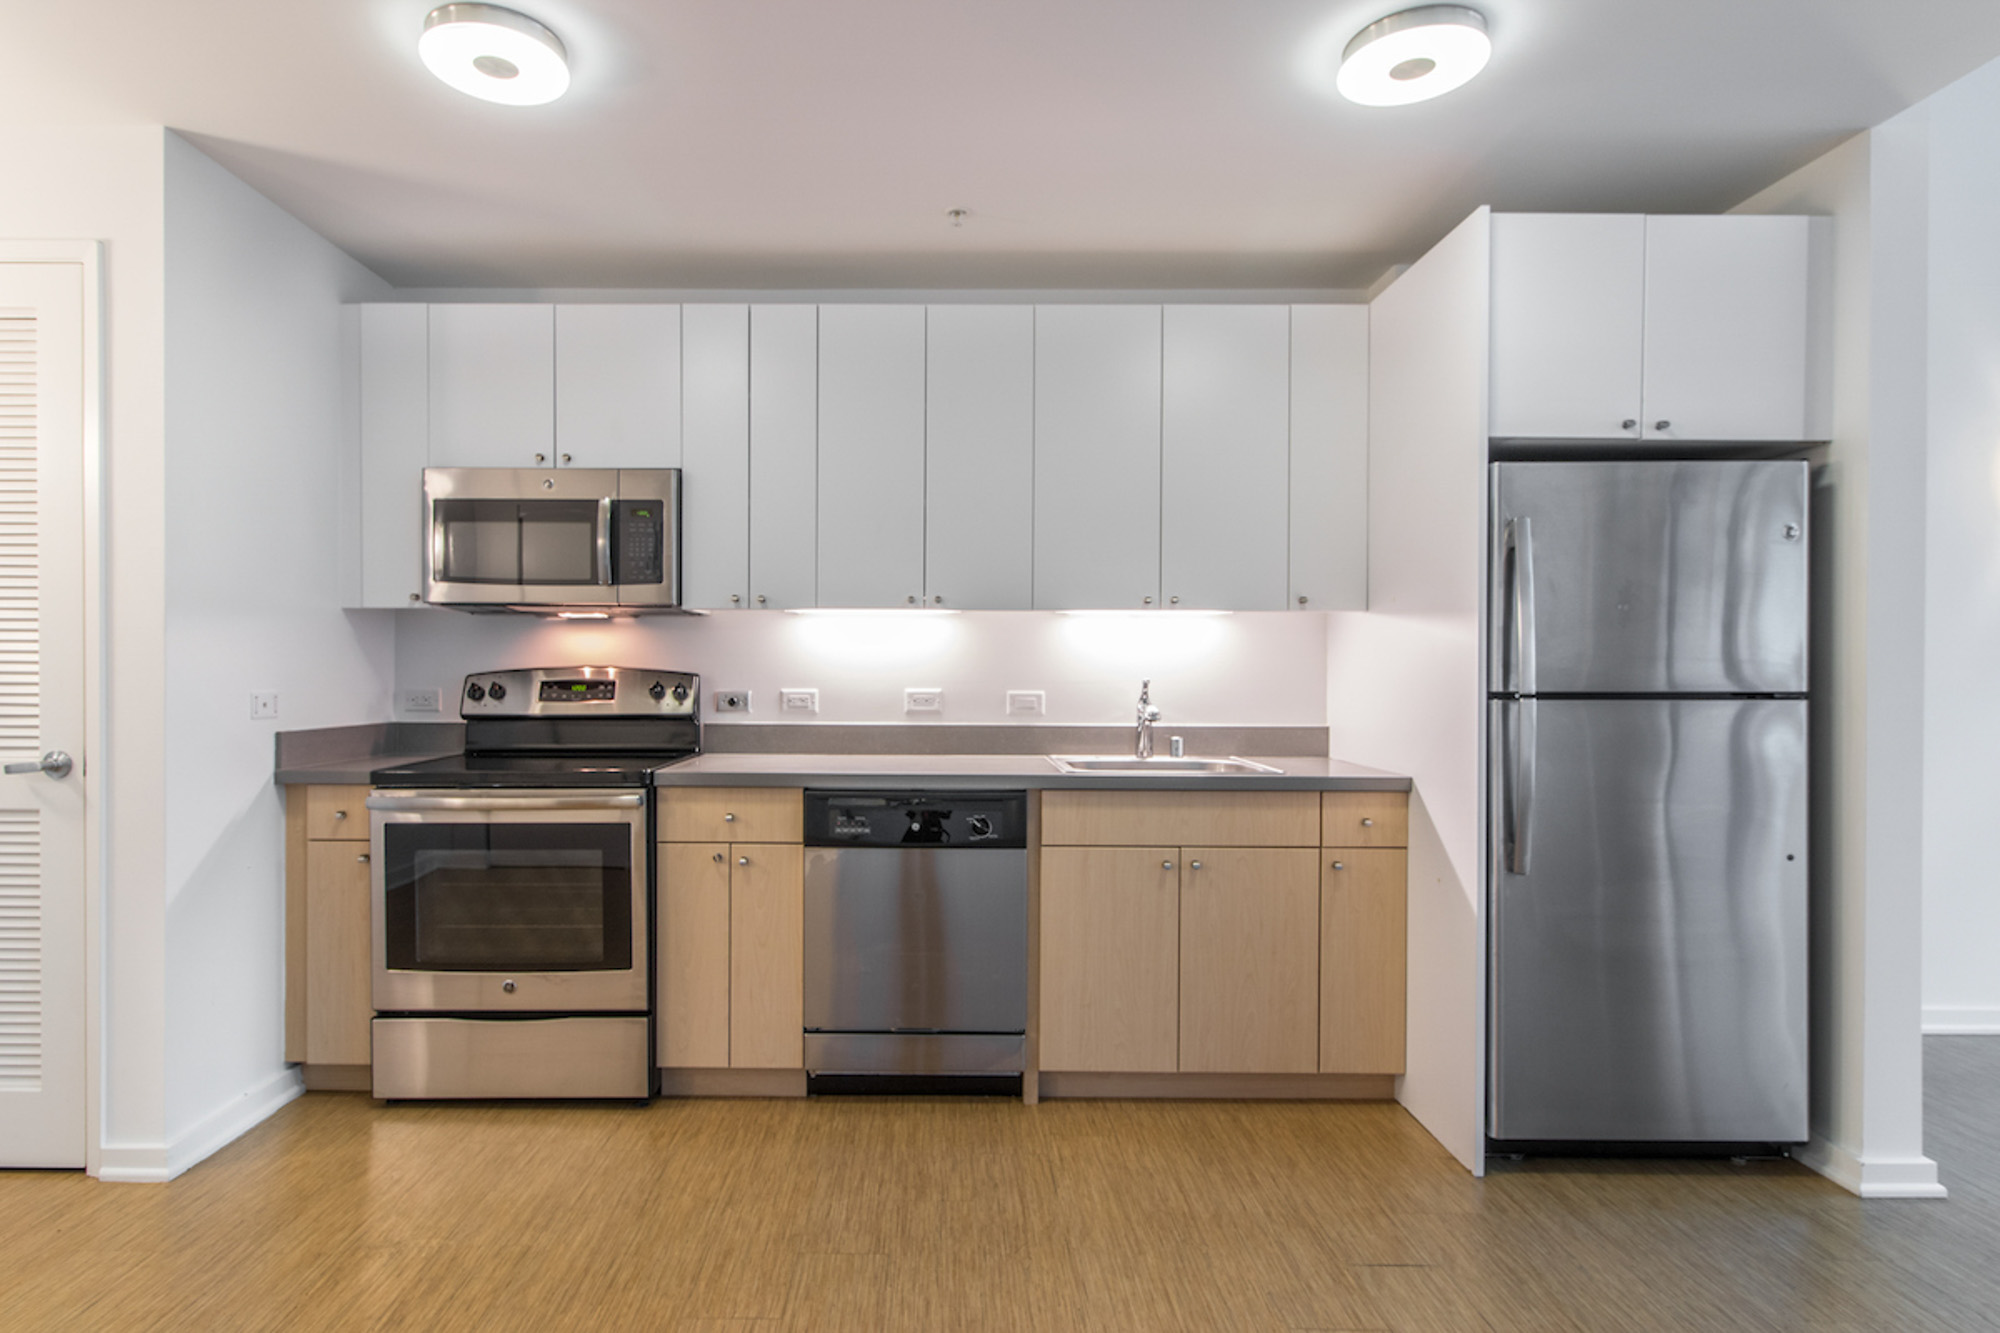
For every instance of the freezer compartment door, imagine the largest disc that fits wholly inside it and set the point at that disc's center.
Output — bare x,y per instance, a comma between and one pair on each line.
1649,578
1648,918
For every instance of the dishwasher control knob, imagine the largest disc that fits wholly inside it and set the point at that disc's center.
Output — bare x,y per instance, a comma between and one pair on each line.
475,691
498,691
979,826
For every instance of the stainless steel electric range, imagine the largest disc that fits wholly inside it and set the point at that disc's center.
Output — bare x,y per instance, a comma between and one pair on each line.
513,887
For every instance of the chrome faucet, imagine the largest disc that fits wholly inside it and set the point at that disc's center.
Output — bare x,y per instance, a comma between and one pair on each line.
1142,744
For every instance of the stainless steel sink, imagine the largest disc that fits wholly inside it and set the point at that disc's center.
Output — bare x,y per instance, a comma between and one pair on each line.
1126,764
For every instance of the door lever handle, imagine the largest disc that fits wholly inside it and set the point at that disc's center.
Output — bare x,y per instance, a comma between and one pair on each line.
55,763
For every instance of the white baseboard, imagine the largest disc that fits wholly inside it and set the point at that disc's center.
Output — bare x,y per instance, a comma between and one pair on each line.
1873,1178
231,1120
1961,1020
133,1164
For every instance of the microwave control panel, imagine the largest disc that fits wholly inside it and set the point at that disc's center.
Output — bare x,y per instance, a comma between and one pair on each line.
638,527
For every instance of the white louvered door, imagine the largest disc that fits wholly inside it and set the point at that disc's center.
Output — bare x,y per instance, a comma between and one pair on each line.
42,1119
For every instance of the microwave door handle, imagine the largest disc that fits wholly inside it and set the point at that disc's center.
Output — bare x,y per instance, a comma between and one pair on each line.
604,578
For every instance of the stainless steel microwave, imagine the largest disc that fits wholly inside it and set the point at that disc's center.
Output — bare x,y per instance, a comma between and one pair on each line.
550,540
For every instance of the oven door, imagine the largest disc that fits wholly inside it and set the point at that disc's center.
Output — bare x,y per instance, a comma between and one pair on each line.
509,901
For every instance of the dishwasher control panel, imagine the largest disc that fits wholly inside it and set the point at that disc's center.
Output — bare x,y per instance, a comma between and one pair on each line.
967,819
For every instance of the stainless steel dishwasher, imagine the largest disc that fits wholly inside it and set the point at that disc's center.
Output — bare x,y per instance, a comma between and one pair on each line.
916,932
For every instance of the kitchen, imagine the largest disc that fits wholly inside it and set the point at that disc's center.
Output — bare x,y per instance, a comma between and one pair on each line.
350,665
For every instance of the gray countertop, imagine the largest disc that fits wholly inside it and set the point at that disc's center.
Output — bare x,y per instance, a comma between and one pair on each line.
970,771
354,771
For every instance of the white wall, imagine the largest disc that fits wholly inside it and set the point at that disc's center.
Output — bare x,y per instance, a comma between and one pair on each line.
1867,685
1405,683
105,185
1962,532
1247,669
255,426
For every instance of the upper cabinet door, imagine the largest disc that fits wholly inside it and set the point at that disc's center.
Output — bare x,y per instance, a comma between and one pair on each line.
784,445
871,455
1726,331
492,390
1329,485
715,457
1569,304
1097,457
618,385
979,452
1225,456
395,414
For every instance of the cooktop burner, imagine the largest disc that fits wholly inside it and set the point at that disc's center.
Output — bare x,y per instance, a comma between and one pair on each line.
565,727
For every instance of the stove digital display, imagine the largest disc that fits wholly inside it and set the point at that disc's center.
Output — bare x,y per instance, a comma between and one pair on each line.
578,691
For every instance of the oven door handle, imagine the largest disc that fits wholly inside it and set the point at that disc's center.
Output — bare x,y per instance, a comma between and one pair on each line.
396,800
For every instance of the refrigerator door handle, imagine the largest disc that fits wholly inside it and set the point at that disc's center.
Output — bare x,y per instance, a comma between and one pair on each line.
1521,536
1519,796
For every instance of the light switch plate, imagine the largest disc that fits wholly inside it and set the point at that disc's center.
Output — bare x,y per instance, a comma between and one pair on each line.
1027,703
420,701
798,701
923,700
264,703
732,701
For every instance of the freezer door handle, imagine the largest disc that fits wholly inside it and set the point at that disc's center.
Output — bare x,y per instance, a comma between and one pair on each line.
1517,777
1518,550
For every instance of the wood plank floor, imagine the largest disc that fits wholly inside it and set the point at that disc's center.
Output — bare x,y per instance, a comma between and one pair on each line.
926,1214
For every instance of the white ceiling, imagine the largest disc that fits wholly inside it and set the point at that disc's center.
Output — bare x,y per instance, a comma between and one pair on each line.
1096,143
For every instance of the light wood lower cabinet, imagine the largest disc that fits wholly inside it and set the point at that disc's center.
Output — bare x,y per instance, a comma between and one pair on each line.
328,937
1249,962
1363,942
1229,957
1110,951
731,930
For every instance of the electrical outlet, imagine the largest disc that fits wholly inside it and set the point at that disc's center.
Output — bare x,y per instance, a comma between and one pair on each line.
923,701
1027,703
798,701
264,704
732,701
421,701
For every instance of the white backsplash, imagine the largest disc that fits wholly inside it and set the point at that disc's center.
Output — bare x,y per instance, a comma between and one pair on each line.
1246,669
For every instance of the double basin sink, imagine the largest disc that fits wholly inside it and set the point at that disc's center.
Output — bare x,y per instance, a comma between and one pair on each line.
1125,765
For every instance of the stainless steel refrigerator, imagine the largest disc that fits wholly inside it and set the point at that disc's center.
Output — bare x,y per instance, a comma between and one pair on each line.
1647,904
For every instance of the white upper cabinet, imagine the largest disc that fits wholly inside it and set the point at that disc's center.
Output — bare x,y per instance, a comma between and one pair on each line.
1225,456
1619,327
1329,458
715,457
1568,315
784,446
618,385
979,452
395,432
871,455
492,385
1097,456
1726,331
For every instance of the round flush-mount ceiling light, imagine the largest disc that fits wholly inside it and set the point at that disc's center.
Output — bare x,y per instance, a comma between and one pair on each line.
494,54
1413,56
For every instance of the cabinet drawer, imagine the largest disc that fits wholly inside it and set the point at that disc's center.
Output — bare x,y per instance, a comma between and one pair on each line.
1180,818
337,812
732,814
1365,819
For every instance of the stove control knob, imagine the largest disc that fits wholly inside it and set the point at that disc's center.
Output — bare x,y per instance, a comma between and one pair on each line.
680,694
475,691
498,691
657,690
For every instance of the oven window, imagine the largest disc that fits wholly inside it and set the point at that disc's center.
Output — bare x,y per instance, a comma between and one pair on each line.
508,897
518,541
